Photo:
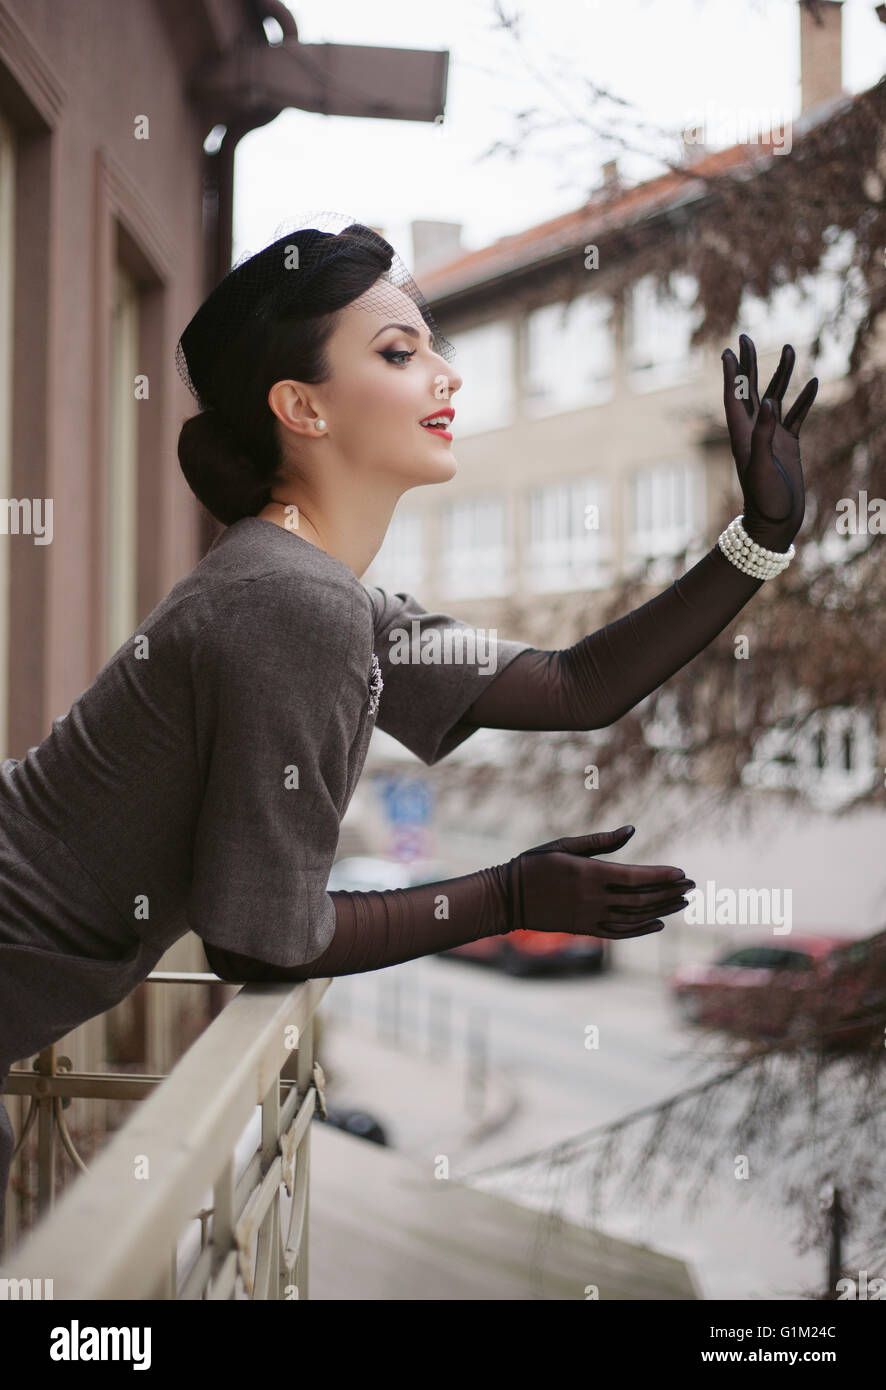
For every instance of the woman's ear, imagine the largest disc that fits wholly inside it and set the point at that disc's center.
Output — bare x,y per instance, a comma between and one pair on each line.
289,402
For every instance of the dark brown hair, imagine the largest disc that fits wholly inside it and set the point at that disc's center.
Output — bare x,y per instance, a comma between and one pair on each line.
230,452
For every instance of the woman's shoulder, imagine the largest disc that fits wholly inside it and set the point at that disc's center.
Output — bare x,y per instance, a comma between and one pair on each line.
258,552
299,605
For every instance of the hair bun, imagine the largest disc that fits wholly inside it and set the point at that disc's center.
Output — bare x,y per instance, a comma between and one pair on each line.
218,470
262,324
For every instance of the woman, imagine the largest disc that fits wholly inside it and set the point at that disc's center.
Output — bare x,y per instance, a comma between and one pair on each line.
199,782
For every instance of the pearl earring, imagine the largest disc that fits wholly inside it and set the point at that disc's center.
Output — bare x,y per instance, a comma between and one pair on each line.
321,424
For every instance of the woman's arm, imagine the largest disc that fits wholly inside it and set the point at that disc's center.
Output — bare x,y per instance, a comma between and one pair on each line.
375,929
558,886
593,683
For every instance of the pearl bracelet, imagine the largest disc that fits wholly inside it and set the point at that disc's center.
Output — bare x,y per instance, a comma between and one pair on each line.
750,557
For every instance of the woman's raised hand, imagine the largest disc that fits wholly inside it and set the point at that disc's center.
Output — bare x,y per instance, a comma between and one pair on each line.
766,448
558,886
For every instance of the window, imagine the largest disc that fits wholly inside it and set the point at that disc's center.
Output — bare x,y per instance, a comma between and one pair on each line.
401,562
831,757
121,557
795,312
658,333
847,533
666,511
767,958
7,264
485,400
754,958
569,356
795,960
569,539
474,551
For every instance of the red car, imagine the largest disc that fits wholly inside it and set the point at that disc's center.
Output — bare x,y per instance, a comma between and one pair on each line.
529,952
829,988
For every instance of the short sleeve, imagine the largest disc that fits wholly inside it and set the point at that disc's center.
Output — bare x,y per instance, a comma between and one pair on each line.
280,685
434,667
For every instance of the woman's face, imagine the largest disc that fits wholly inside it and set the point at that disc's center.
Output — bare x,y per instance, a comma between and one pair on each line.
383,381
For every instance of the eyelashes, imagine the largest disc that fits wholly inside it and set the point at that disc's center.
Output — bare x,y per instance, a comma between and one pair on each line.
393,356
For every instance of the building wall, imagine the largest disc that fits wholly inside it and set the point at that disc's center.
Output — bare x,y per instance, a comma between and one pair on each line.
107,241
93,196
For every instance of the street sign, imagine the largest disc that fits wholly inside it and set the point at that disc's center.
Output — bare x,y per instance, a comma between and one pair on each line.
411,842
407,800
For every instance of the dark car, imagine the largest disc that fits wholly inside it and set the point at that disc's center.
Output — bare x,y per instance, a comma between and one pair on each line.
827,989
357,1122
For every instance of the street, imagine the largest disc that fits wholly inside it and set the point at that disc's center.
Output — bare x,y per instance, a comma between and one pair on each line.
533,1033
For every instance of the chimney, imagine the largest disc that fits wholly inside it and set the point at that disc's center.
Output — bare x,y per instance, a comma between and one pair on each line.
611,185
434,243
821,53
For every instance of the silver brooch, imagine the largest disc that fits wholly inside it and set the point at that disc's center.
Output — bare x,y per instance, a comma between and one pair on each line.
376,684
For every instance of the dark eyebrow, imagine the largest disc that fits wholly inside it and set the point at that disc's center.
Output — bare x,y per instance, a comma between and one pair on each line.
405,328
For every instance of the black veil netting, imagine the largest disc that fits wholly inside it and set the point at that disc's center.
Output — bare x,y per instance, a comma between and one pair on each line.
277,282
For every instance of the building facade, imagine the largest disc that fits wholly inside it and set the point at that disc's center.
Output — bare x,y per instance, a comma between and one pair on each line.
591,445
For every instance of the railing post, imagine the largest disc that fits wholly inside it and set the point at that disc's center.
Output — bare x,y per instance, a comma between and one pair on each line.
303,1155
45,1065
439,1024
477,1062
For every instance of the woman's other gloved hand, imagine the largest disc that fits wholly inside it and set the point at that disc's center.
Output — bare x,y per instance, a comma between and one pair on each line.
561,886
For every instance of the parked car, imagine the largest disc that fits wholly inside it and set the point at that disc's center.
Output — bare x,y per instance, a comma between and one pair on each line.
854,1010
518,952
357,1122
531,952
828,988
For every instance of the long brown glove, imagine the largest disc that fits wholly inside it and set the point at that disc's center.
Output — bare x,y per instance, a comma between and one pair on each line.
557,886
596,681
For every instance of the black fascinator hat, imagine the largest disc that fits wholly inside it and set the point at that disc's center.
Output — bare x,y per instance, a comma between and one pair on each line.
293,277
269,319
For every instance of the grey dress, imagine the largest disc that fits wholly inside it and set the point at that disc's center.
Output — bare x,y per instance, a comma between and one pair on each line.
199,781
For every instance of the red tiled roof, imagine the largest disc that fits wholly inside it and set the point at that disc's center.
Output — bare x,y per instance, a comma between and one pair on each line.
603,212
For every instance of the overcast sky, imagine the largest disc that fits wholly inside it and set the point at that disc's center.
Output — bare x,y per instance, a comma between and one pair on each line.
675,62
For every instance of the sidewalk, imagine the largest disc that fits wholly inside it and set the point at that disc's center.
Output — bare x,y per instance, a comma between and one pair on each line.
383,1227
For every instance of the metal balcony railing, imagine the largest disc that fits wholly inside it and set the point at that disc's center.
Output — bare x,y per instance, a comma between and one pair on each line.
196,1149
